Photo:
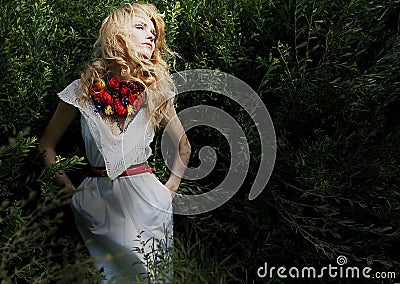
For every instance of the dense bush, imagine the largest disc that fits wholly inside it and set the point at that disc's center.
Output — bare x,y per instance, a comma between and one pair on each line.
326,70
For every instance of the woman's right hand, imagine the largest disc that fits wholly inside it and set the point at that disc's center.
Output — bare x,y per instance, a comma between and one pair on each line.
56,128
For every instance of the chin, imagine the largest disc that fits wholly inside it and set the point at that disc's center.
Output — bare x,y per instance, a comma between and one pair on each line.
145,55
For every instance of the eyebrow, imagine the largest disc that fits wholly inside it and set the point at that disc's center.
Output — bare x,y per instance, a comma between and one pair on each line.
142,22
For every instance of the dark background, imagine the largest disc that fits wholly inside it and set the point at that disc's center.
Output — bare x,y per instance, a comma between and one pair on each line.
328,72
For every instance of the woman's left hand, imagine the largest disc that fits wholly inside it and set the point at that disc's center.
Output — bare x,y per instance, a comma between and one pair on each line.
173,184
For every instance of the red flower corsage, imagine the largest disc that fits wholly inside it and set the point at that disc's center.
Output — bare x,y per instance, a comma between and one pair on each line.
116,97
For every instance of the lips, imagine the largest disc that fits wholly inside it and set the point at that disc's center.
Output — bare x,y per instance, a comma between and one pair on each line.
148,44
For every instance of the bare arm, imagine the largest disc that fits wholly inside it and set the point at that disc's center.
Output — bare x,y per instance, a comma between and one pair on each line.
178,136
58,124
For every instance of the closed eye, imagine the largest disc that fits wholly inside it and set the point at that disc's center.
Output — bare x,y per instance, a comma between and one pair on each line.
139,26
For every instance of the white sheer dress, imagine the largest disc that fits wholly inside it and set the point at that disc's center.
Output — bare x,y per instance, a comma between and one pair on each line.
126,222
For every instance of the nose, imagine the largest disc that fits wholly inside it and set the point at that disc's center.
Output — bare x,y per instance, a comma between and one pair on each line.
151,36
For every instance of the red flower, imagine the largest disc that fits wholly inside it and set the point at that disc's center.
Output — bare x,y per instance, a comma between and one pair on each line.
131,98
96,96
137,103
95,91
105,97
119,108
125,91
96,88
114,83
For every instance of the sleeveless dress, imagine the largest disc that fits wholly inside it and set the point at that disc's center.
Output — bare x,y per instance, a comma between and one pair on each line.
126,222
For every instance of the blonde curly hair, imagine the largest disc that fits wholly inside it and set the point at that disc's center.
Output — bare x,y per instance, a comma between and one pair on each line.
115,55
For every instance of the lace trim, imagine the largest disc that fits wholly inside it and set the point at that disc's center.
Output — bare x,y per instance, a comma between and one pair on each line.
132,146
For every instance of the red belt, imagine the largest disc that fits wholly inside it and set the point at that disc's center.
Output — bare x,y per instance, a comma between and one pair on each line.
134,170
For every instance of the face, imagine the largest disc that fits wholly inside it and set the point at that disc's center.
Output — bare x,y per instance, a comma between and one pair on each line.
143,35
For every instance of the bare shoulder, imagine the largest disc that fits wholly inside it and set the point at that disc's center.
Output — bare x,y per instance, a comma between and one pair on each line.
66,109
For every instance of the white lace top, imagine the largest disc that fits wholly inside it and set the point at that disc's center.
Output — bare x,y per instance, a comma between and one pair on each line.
103,148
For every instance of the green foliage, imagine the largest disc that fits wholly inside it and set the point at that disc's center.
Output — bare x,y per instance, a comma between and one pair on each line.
326,70
32,216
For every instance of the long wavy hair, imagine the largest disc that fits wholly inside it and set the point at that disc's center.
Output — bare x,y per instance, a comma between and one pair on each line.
116,56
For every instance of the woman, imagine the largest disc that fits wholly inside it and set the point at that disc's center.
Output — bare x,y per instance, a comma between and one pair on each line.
123,212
